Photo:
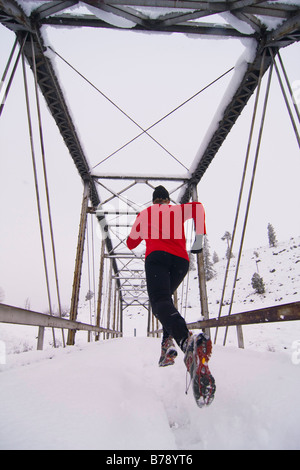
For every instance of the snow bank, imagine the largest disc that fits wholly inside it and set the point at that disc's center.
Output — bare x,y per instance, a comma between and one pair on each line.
110,18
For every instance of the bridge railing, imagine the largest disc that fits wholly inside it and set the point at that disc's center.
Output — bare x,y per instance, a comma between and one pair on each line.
278,313
19,316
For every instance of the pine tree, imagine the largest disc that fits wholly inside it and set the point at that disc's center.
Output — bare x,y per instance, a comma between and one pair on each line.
215,257
271,235
208,265
258,283
227,236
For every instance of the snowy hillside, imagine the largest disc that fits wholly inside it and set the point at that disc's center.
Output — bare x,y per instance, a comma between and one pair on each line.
280,269
112,394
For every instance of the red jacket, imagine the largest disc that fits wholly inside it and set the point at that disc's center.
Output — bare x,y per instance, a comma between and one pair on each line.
162,227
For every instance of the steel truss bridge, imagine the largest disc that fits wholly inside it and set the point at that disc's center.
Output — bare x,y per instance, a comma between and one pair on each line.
127,284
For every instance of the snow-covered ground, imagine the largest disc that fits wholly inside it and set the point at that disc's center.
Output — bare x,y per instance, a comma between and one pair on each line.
112,394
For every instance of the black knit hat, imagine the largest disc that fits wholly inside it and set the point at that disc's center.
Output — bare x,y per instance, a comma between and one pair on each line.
160,192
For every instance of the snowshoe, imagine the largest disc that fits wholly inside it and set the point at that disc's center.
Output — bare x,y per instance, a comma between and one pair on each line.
197,353
168,353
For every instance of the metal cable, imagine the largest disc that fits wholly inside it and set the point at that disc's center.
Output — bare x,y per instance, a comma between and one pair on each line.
117,107
289,86
144,131
285,99
164,117
37,189
46,182
12,73
249,200
241,190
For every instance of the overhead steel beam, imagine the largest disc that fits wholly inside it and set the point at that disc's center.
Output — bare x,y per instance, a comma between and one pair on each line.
51,8
180,17
13,17
49,86
140,178
201,29
230,115
287,33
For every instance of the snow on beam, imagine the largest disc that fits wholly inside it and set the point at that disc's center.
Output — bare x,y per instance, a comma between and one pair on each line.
16,18
285,34
193,28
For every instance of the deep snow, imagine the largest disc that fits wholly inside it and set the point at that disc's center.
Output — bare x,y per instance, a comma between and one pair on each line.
113,395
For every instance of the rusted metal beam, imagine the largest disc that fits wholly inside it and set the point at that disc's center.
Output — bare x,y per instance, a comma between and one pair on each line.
78,262
201,276
142,178
286,312
20,316
285,34
279,313
13,17
100,287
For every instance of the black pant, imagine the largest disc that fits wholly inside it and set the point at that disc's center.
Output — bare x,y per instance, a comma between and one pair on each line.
164,274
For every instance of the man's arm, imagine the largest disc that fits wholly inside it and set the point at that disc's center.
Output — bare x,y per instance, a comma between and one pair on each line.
134,238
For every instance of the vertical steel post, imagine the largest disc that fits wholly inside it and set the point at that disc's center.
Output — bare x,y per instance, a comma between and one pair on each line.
118,309
201,276
100,288
40,342
149,321
121,315
153,324
114,308
78,262
109,298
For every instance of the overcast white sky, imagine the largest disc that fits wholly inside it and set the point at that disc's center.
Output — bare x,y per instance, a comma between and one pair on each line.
147,75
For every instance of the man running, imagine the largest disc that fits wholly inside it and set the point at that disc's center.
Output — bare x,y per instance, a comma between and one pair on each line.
161,226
